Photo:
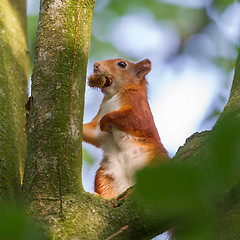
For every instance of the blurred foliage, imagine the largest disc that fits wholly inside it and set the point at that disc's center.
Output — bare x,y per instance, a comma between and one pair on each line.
87,157
15,224
160,10
194,196
192,23
97,46
221,5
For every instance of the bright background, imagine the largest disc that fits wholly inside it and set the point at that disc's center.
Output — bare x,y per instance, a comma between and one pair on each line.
193,45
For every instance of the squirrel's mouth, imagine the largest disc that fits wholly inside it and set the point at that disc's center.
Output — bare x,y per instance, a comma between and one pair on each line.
108,82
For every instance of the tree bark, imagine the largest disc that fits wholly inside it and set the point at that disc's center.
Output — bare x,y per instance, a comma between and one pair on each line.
56,109
14,70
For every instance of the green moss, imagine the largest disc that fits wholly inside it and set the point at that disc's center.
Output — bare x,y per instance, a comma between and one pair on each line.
87,216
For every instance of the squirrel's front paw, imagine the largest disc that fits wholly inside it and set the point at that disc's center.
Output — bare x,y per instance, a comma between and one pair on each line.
105,125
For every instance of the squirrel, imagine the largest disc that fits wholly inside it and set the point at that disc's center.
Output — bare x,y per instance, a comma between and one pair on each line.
123,127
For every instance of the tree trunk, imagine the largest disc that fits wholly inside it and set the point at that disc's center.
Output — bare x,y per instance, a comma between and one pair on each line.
56,109
14,70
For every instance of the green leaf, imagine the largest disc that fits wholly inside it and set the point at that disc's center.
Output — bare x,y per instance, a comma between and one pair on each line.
226,148
181,193
16,225
175,189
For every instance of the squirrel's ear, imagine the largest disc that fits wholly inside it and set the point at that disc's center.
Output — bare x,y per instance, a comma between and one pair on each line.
143,68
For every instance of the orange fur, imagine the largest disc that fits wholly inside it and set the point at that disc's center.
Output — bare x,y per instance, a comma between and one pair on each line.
102,184
129,119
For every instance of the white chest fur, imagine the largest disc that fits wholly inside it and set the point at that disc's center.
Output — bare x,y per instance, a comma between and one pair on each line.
122,156
110,105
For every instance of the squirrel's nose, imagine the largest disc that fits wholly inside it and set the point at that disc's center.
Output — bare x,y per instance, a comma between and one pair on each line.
96,66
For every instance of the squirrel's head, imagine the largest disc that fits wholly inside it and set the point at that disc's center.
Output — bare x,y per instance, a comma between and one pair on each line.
112,75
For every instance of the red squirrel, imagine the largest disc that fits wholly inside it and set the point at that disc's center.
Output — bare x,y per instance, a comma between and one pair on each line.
123,127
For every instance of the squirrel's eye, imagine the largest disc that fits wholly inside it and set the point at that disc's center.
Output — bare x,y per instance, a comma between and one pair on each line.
122,64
